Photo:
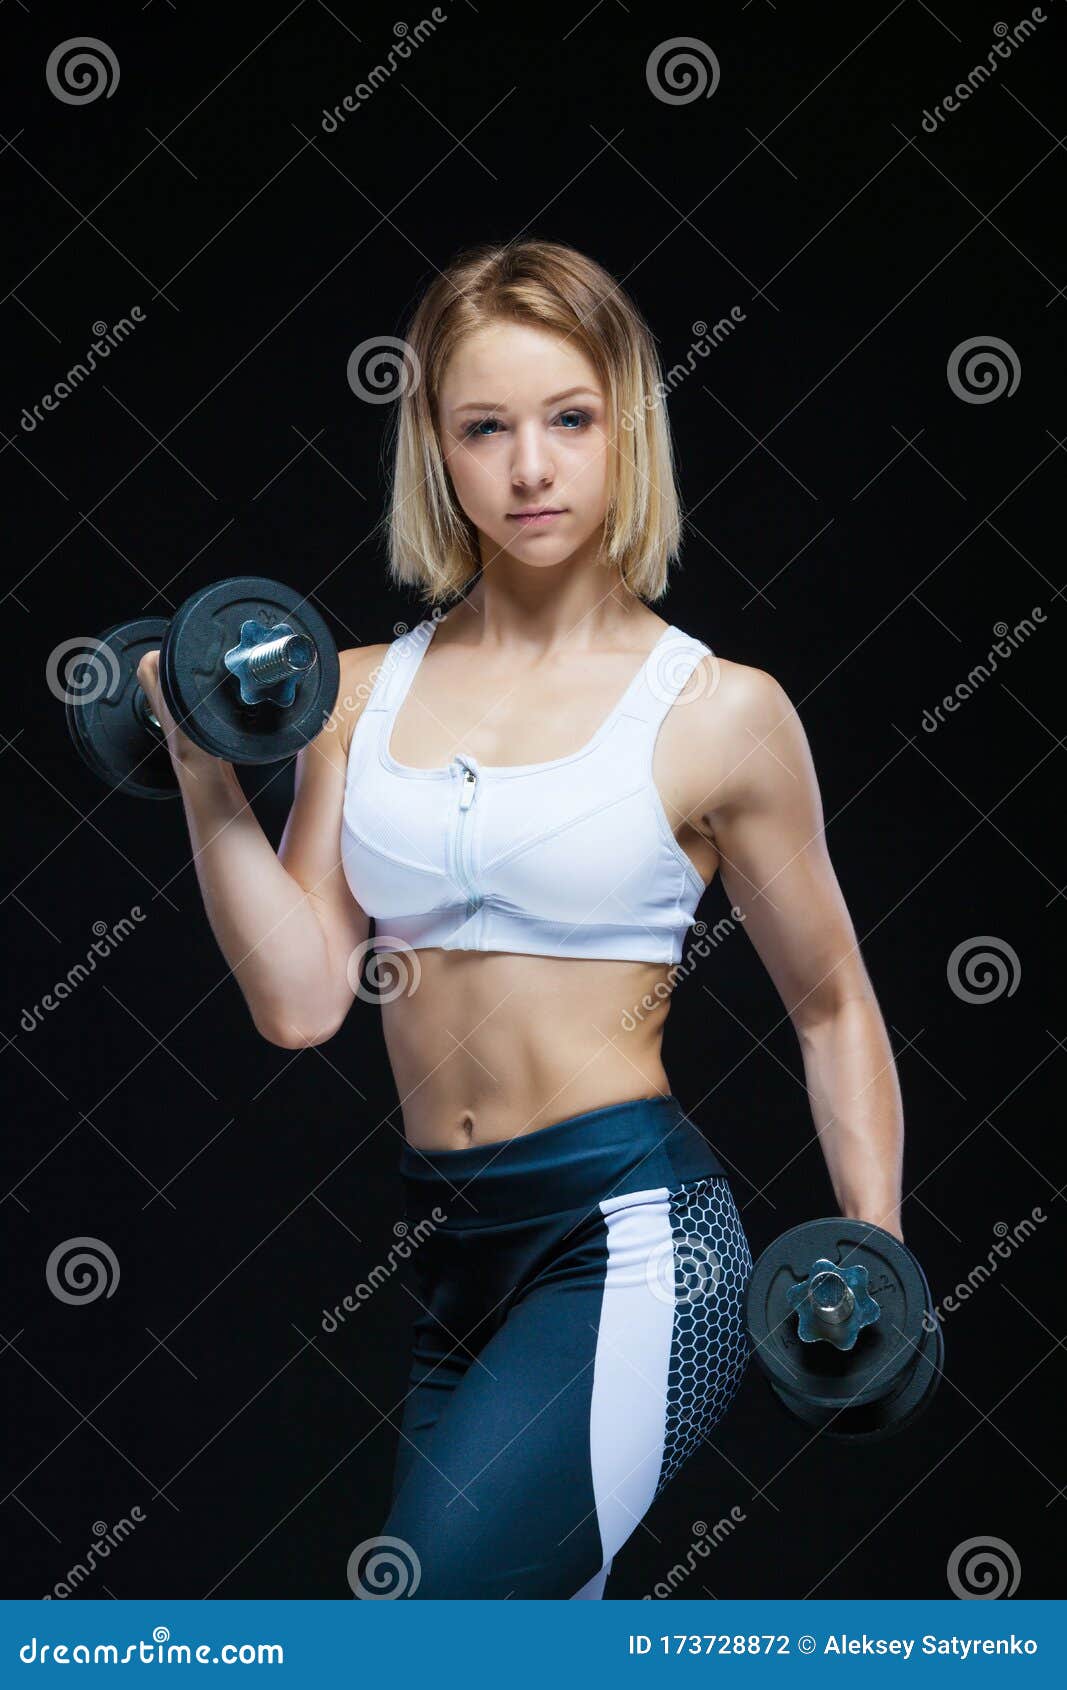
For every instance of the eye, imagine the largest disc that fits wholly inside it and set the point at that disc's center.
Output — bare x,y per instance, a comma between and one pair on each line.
583,417
472,428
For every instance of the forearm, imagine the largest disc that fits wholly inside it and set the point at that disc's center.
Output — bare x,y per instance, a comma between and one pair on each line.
263,920
856,1106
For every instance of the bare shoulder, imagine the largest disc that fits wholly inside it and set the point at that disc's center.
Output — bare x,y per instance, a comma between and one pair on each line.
742,733
360,666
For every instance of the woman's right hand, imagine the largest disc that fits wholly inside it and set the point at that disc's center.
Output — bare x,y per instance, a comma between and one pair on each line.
184,752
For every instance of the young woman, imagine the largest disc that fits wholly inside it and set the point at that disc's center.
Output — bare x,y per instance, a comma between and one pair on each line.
528,795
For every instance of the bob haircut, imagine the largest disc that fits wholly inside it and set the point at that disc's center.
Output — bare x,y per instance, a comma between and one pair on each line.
432,544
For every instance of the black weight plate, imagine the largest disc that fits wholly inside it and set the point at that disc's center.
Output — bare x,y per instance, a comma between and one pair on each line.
828,1378
204,697
876,1420
103,701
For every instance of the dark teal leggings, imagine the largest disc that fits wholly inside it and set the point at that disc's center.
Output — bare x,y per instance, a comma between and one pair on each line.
579,1332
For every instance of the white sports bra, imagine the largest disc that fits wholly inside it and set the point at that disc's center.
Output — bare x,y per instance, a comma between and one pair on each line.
574,857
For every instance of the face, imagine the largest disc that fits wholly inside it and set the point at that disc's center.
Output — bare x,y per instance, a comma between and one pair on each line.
523,423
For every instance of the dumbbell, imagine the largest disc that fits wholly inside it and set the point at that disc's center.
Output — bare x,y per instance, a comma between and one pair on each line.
248,670
836,1312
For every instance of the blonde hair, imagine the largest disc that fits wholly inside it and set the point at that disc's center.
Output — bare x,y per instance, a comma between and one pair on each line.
432,544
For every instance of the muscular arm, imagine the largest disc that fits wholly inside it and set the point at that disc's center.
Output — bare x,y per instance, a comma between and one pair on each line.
763,812
285,921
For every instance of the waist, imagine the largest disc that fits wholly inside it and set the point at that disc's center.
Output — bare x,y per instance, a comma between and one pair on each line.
644,1144
517,1042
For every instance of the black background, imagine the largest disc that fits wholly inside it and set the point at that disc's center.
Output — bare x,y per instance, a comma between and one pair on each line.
856,528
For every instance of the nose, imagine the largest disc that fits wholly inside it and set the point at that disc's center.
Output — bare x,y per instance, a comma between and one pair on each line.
531,460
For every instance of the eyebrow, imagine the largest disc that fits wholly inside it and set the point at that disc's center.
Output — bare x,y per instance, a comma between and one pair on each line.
496,405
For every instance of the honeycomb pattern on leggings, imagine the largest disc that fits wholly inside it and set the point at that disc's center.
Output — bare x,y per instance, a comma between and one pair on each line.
709,1349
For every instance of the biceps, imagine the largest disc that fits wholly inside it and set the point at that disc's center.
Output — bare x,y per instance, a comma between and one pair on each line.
310,848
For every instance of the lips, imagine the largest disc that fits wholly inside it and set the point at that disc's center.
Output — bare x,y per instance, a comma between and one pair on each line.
534,515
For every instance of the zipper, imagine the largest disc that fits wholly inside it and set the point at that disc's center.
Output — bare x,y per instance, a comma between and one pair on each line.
461,856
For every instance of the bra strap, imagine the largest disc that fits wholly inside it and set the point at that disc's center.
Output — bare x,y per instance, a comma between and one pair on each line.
397,668
664,677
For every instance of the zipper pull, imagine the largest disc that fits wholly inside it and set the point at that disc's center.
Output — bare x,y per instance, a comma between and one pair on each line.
470,780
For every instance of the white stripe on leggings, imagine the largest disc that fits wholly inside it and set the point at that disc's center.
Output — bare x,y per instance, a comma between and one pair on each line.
628,1412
